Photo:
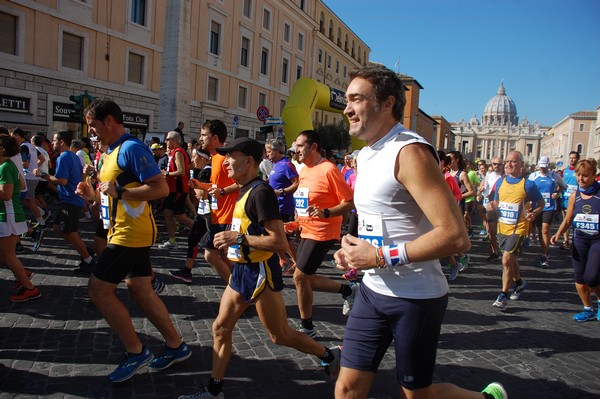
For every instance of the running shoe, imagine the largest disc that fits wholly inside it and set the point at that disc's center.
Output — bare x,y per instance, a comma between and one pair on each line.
202,394
544,262
518,290
131,365
464,262
287,265
333,368
37,237
587,314
350,275
85,269
501,302
565,245
158,286
494,256
19,247
496,390
26,295
454,272
184,274
170,356
17,284
167,245
86,219
312,332
349,300
483,233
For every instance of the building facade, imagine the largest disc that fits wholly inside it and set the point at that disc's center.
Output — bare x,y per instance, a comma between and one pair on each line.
498,132
575,132
166,61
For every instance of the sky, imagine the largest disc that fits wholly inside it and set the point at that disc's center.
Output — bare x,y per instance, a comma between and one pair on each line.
545,52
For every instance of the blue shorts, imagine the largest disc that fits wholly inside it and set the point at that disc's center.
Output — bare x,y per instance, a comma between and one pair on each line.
251,279
212,232
413,324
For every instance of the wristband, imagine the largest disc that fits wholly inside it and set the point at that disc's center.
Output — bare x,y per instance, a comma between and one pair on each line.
379,261
44,175
395,255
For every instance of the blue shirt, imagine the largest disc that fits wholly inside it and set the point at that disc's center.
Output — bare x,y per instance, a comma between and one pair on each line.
135,158
68,166
281,177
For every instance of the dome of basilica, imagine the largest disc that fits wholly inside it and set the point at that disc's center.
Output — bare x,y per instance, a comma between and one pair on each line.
500,110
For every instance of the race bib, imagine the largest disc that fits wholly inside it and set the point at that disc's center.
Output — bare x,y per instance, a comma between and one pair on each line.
234,252
213,201
508,212
370,228
586,223
104,211
204,207
301,201
546,197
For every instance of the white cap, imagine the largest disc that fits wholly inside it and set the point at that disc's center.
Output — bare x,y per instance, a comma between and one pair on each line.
544,162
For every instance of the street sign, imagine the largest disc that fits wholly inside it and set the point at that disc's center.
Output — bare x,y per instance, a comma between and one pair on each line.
274,121
262,113
236,121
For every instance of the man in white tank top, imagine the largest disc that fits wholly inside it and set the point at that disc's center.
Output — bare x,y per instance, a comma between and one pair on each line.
408,220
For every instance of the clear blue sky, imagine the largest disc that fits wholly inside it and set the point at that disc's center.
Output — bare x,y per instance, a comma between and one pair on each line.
547,52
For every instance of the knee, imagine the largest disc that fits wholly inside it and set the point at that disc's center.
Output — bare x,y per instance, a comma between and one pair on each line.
220,332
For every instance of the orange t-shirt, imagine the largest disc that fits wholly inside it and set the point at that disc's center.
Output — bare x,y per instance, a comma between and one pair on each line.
226,204
326,189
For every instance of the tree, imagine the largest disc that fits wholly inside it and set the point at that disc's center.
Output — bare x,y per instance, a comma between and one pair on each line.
334,136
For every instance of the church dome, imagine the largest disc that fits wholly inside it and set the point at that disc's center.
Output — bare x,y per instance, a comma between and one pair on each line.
500,110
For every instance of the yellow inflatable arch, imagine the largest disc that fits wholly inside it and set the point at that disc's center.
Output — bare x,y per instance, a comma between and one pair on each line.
306,96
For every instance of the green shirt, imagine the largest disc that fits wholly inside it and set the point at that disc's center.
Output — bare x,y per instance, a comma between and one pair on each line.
11,211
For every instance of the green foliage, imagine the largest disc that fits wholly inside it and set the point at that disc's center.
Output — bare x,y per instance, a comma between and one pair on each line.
334,136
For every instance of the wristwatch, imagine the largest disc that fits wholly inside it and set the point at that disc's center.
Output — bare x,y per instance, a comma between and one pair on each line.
326,213
44,175
120,191
239,239
222,192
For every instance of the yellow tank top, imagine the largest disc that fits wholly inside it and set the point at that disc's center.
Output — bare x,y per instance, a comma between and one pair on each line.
511,203
242,223
131,222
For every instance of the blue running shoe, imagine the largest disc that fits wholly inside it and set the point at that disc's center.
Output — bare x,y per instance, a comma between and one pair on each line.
518,290
333,368
587,314
170,357
131,365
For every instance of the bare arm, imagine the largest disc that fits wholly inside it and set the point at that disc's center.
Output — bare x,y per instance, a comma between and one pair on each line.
566,223
6,191
464,177
153,188
274,241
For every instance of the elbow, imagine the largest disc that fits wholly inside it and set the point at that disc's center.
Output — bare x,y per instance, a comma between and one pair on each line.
464,244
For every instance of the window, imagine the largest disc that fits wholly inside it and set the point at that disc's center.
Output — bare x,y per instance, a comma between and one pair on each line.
329,61
267,19
281,106
213,89
242,97
337,67
345,71
262,99
581,127
286,32
300,41
241,132
247,9
264,61
284,70
138,12
135,73
72,50
8,33
298,72
579,148
215,33
244,55
320,56
302,5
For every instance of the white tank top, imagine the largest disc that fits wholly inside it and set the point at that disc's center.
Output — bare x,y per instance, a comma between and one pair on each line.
379,195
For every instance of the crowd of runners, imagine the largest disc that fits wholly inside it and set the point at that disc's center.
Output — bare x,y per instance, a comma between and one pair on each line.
261,212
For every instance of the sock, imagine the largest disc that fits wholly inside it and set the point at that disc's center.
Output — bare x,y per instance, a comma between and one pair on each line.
505,294
590,308
88,260
488,396
328,356
345,290
173,240
307,324
41,221
137,354
215,386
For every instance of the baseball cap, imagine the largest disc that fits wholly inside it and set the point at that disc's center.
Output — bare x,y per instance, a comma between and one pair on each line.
354,154
544,162
246,145
155,146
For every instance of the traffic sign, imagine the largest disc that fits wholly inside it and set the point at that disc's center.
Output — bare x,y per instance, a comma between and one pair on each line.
274,121
236,121
262,113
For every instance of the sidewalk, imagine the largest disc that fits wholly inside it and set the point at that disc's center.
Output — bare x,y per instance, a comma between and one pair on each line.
59,346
